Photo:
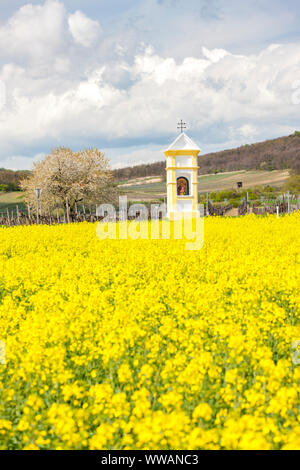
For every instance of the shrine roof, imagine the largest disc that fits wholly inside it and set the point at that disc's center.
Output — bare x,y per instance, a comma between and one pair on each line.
183,142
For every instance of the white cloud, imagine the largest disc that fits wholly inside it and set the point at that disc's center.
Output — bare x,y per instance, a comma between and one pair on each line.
214,55
84,30
149,66
34,31
58,94
248,130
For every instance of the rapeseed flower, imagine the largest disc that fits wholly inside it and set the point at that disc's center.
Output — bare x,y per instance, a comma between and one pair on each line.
141,344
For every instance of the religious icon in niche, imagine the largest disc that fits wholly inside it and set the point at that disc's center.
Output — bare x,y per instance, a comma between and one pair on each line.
182,186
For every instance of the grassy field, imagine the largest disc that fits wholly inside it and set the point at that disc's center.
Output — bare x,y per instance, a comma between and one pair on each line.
228,180
145,189
10,201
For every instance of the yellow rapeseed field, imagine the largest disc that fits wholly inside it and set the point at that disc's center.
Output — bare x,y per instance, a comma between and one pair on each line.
141,344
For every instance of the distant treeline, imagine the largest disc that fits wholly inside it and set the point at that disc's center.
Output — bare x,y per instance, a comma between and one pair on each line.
275,154
10,180
139,171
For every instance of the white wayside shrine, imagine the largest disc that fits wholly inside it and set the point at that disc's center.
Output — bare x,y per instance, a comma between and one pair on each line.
182,182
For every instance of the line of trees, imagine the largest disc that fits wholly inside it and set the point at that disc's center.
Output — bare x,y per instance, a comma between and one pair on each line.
281,153
7,188
139,171
10,180
276,154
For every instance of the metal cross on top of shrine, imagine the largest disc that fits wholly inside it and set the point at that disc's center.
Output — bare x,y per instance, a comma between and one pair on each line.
181,125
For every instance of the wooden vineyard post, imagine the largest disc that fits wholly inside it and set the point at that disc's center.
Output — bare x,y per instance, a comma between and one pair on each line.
207,200
18,215
8,216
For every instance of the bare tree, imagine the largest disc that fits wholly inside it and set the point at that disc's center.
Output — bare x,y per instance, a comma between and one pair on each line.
68,178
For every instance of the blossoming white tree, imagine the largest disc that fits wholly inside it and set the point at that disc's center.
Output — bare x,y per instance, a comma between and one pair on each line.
68,178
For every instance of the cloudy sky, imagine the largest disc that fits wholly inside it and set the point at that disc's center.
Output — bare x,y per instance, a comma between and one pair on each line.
119,74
